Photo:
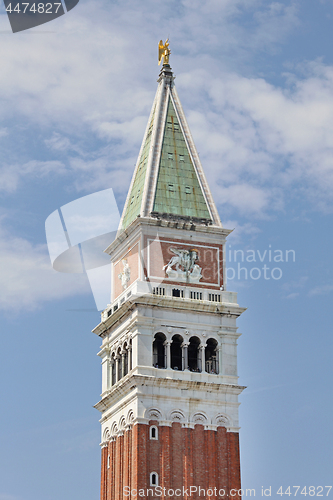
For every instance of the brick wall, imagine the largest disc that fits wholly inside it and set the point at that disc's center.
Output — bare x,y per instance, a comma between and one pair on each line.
182,457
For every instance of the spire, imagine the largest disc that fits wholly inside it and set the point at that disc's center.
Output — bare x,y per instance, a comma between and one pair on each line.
168,180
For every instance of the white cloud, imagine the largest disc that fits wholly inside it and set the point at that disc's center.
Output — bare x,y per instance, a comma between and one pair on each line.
92,80
291,286
293,295
247,230
27,277
10,175
262,143
321,290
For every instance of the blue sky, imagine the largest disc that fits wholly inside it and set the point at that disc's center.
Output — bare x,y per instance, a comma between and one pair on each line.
256,82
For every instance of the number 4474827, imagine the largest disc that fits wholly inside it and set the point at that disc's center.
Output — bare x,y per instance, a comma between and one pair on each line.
39,8
312,491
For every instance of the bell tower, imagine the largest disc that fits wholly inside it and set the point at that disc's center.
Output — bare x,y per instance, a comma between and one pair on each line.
169,402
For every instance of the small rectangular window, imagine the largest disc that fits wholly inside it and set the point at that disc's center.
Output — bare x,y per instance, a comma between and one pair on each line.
170,156
214,297
181,158
188,190
171,187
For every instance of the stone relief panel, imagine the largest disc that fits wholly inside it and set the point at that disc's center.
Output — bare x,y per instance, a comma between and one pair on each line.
183,262
125,270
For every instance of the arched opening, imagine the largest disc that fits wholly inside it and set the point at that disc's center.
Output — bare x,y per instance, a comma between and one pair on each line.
211,361
159,351
177,352
118,360
125,354
153,479
193,354
153,432
113,369
130,355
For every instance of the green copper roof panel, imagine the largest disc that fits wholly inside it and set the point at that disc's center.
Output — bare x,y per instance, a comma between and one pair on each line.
134,202
178,190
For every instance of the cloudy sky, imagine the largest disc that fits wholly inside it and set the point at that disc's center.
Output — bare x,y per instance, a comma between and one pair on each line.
255,79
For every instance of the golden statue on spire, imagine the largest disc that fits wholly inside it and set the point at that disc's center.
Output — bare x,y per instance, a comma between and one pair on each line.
163,51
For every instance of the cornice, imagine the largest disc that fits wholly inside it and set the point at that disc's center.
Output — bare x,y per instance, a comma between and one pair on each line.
180,224
165,302
133,382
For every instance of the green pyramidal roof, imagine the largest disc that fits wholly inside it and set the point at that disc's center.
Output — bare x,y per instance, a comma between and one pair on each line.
178,190
168,178
135,199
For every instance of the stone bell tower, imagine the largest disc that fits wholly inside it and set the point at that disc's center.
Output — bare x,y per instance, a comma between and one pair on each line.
169,403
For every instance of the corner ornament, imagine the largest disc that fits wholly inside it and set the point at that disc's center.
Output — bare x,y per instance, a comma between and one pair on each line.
125,275
163,52
183,267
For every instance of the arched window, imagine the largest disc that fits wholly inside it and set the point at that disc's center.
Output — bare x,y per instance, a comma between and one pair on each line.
193,354
130,355
118,358
153,432
125,354
177,352
159,351
211,361
153,479
108,461
113,369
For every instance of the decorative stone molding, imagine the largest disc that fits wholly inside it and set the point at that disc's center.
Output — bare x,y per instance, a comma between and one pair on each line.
199,418
122,423
106,435
153,414
114,429
130,418
222,420
177,416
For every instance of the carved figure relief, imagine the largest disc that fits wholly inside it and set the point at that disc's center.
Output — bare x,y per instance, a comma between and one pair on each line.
183,267
125,275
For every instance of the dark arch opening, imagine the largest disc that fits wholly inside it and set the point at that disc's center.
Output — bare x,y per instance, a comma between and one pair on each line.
177,352
159,350
211,361
125,359
193,354
119,363
130,355
113,365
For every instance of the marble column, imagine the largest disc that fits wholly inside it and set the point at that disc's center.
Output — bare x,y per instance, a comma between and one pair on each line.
167,346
